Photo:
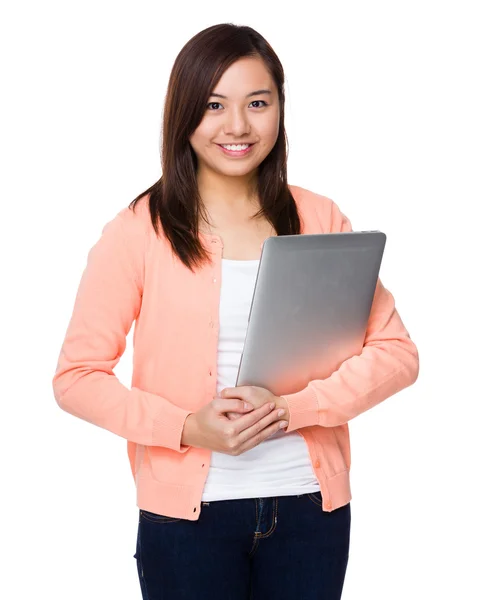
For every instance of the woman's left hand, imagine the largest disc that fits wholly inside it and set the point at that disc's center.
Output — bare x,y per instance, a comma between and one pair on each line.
256,396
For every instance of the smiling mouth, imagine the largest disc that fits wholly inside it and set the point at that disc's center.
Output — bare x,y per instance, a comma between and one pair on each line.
242,144
236,153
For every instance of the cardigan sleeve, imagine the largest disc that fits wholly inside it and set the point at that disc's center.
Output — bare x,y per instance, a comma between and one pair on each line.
388,363
107,302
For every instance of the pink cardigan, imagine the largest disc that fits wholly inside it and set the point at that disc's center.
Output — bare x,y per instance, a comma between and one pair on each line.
131,275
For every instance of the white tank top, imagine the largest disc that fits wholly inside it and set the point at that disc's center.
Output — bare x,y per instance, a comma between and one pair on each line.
278,466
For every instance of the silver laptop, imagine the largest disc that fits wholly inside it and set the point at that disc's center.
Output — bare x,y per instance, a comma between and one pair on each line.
310,308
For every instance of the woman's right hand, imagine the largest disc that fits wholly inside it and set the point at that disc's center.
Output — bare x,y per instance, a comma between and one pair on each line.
210,428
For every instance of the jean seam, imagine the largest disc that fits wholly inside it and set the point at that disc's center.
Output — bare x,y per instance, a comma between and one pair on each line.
158,521
274,524
315,500
256,521
143,583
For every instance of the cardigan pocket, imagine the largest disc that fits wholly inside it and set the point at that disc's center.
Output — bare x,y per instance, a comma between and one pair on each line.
139,455
342,435
164,464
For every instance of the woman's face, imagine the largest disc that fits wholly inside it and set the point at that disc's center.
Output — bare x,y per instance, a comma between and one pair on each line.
237,118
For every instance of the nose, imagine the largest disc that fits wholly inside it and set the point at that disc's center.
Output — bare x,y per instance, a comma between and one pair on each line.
236,122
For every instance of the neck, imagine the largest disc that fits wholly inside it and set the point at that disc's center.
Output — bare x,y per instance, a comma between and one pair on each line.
227,192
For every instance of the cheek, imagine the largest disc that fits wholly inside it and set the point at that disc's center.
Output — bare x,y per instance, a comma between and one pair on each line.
201,136
206,133
270,129
269,137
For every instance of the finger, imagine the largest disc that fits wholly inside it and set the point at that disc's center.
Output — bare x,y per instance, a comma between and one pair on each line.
250,418
245,422
233,415
223,405
264,421
237,392
262,435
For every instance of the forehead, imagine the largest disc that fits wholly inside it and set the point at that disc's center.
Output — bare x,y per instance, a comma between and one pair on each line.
244,76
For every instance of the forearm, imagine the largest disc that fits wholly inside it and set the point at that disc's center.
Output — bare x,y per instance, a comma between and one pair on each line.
387,364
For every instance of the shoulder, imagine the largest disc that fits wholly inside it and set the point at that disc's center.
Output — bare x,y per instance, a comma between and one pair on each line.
135,221
125,237
309,199
323,208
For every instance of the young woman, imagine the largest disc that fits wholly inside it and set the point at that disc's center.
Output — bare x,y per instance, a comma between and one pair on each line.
241,494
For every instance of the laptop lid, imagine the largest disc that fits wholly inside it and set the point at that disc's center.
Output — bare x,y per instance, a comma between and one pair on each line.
310,307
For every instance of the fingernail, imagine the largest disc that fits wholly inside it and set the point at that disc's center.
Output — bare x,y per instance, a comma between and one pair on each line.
247,406
272,405
281,412
283,424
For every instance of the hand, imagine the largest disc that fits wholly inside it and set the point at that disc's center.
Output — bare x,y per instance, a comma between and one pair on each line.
256,396
210,428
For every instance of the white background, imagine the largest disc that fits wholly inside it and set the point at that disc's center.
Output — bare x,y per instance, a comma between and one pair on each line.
383,117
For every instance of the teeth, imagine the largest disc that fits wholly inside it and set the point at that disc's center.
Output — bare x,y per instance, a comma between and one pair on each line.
237,148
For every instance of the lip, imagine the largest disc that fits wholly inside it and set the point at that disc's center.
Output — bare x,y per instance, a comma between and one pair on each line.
236,154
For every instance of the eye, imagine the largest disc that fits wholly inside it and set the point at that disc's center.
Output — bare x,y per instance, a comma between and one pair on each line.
214,110
260,101
213,103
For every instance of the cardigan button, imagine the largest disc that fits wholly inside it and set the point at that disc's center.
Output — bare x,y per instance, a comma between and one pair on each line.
317,463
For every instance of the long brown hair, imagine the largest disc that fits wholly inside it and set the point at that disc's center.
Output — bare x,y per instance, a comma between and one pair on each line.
174,198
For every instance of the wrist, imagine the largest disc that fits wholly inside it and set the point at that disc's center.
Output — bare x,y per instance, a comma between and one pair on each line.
189,429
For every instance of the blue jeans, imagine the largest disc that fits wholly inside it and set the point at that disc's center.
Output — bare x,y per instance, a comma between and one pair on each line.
280,548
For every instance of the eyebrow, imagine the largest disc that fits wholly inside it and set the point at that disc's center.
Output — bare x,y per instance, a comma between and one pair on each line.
255,93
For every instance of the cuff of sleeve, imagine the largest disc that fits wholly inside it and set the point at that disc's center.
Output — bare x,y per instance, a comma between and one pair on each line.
168,428
303,408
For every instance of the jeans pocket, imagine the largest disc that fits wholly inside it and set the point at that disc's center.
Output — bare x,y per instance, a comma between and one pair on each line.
156,518
315,498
